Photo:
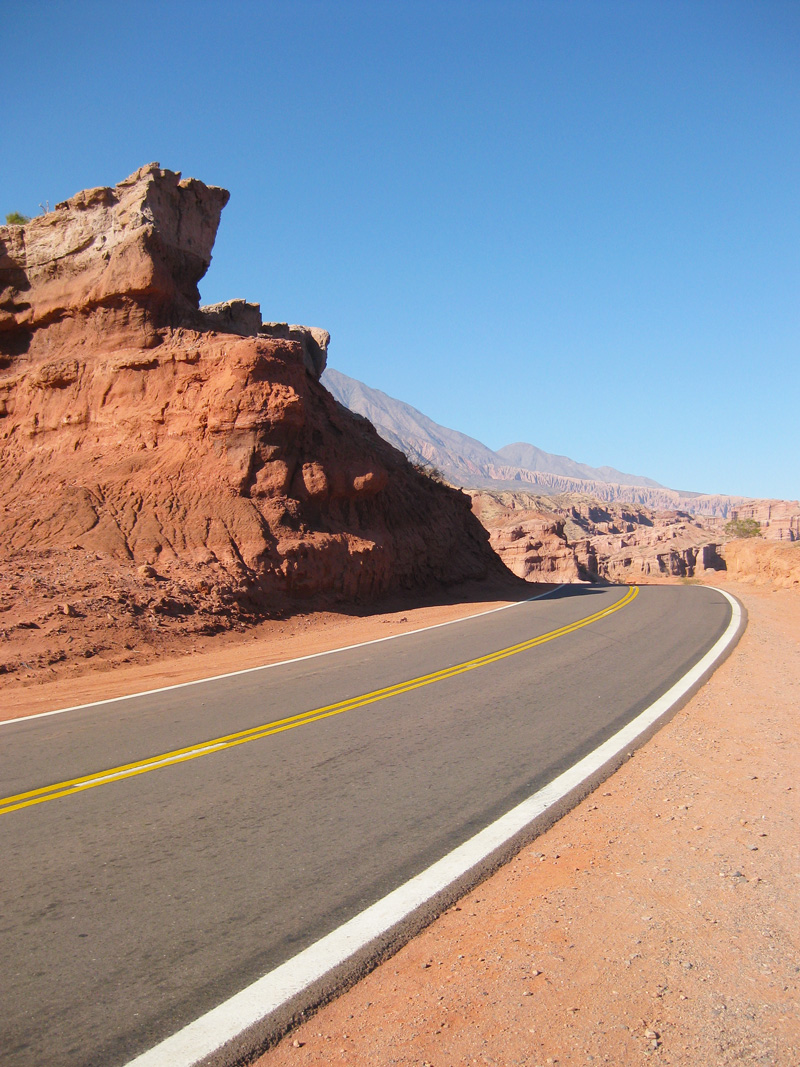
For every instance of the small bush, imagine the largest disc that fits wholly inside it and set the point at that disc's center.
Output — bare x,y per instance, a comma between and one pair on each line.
15,219
429,471
743,528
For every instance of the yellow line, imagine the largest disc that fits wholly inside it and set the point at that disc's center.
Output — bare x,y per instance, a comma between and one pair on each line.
181,755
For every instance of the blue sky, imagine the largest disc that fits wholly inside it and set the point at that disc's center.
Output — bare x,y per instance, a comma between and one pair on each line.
564,222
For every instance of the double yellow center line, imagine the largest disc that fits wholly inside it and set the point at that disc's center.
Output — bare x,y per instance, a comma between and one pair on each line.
181,755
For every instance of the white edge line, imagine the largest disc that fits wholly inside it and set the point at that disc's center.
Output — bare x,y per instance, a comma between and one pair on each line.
279,663
208,1035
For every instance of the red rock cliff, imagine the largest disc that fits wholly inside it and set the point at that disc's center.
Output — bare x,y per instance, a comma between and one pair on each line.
140,431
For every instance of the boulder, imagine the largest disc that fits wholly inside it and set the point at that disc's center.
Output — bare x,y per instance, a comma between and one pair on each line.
232,316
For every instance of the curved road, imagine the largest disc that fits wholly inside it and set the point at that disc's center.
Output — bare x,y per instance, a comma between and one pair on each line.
162,852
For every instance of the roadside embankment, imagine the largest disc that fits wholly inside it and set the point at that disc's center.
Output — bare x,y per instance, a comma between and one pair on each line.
757,561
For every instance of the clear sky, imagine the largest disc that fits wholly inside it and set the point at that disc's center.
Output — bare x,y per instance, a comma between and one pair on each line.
568,222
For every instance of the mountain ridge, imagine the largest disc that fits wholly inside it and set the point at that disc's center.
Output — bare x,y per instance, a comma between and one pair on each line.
467,462
410,429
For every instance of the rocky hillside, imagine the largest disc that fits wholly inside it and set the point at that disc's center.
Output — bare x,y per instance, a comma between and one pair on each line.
161,459
574,537
462,459
763,561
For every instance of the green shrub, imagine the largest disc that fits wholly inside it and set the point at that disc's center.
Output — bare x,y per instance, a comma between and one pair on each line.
743,528
15,219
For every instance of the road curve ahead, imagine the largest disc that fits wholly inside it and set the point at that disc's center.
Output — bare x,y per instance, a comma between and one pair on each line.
163,852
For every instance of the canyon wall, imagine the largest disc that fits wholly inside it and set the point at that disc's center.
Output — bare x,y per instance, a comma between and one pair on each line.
575,537
754,560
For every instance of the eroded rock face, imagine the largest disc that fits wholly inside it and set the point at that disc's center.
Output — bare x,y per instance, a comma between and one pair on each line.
574,537
313,341
193,445
754,560
136,251
531,543
779,519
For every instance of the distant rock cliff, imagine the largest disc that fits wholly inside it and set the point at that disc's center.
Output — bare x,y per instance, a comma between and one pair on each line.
574,537
192,447
779,519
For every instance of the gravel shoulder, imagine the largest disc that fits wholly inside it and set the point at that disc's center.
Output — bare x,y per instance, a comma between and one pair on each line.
657,920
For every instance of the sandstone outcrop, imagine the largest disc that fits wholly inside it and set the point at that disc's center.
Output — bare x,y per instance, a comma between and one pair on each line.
574,537
187,461
779,519
128,257
754,560
530,542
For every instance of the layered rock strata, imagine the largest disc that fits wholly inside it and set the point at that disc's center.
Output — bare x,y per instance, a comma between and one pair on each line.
189,454
779,519
574,537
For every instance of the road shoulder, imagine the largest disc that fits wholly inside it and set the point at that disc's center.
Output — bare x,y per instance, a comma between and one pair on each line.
656,918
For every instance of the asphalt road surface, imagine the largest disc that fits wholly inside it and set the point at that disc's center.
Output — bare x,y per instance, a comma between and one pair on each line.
135,898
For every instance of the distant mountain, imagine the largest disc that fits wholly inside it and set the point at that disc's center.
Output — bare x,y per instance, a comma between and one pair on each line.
462,459
531,458
524,469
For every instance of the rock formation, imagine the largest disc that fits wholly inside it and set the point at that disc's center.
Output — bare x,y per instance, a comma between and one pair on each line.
754,560
190,454
779,519
574,537
530,541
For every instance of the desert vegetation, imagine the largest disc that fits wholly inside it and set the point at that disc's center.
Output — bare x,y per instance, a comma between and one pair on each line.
739,528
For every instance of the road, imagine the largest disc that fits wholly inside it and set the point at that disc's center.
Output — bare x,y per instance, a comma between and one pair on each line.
139,898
